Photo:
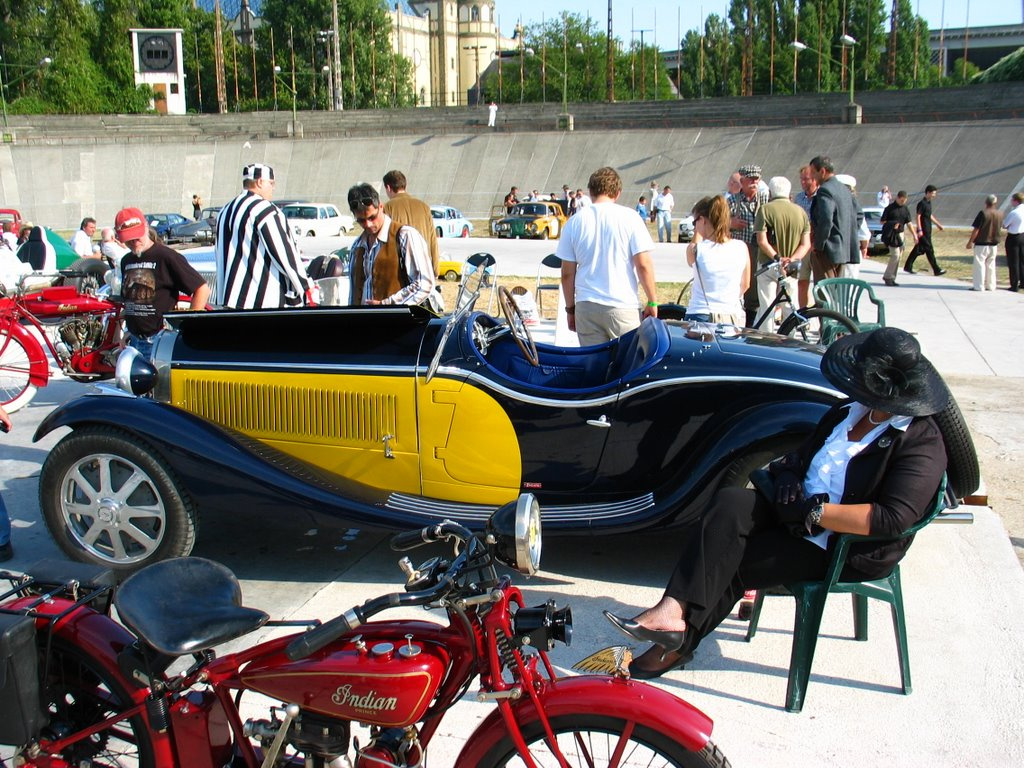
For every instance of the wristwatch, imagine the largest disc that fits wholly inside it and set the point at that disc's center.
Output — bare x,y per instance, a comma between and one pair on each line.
813,519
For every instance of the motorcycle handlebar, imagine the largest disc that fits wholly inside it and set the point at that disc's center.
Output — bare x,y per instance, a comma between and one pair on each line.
432,533
312,641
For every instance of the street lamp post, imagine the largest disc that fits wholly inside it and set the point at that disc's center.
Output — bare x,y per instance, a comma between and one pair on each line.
565,120
852,112
8,135
296,128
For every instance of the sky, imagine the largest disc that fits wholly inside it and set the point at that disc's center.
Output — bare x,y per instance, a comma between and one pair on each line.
662,18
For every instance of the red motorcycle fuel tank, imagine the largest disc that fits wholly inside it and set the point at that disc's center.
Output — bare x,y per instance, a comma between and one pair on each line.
386,682
62,300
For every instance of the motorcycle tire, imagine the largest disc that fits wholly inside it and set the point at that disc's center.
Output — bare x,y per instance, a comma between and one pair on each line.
15,390
588,739
80,693
81,487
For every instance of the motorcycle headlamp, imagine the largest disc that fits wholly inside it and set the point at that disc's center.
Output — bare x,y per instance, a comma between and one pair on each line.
514,532
134,373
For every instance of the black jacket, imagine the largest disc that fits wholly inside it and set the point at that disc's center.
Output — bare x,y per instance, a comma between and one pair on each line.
898,473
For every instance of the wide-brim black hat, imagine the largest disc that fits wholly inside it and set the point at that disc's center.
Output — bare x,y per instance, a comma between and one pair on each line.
884,369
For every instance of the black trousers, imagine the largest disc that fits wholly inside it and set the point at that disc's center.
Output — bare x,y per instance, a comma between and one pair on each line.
1015,260
737,545
923,245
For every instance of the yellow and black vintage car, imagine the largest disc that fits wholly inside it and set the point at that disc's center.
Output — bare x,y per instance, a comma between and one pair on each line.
390,418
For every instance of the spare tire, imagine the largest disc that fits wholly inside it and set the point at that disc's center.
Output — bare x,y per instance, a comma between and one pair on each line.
962,470
93,271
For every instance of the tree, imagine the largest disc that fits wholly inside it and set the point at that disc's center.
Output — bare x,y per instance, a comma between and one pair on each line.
573,45
372,74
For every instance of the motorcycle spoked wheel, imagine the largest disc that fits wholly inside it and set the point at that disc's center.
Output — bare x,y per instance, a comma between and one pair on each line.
592,740
78,693
15,390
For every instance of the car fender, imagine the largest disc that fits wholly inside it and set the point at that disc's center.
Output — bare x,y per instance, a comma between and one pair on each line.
746,430
601,696
38,365
225,470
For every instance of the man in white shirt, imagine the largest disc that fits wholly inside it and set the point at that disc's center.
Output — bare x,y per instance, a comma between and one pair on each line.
1013,223
663,205
605,252
81,241
110,249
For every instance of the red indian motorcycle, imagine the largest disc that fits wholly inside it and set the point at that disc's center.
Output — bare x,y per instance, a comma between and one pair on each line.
83,690
80,330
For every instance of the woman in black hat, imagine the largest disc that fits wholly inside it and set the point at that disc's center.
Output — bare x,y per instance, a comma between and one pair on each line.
873,466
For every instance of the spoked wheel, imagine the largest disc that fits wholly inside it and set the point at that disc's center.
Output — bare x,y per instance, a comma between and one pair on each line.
599,742
78,693
108,498
817,326
15,365
517,323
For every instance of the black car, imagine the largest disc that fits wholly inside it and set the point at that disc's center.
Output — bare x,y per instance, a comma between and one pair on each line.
201,232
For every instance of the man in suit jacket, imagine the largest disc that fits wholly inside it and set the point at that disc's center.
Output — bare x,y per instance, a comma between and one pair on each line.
833,222
407,210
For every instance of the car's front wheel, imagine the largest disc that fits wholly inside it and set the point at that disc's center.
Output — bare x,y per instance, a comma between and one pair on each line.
109,498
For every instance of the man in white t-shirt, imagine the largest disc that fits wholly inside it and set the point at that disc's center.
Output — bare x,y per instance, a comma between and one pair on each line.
81,241
605,252
663,205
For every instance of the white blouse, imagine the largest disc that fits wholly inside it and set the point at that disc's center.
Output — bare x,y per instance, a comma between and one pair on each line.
827,471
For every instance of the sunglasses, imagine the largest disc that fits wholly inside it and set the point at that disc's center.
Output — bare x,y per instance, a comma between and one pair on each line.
367,219
358,203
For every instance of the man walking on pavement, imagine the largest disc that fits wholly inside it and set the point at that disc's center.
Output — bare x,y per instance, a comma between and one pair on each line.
1013,223
783,234
605,252
405,209
257,260
895,220
925,219
985,242
744,206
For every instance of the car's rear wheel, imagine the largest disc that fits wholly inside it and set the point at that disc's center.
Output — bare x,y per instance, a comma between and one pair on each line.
311,233
737,474
465,232
108,498
545,235
451,275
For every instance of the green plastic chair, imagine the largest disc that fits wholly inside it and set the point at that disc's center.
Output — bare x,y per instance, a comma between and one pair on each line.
845,295
810,606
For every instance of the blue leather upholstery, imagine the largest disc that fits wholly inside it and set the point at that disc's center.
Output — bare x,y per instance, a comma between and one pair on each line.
565,369
639,350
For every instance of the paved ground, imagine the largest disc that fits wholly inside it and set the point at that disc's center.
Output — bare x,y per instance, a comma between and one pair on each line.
964,587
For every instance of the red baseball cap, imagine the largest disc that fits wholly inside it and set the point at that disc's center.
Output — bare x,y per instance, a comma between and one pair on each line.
130,224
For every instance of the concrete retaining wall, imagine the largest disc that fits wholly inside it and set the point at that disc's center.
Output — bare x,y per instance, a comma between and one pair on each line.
59,183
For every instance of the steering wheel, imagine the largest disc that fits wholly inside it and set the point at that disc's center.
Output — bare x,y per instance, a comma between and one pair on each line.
517,325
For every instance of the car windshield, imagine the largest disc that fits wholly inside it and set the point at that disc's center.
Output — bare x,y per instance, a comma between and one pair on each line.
529,210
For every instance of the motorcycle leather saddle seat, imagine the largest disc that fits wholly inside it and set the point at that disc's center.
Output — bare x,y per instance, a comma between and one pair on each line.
185,605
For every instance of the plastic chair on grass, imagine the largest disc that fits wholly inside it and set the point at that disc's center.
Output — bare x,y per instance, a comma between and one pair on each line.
810,605
548,264
846,295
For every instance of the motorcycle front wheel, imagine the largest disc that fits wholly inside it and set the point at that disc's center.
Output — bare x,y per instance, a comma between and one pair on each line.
595,740
15,368
79,693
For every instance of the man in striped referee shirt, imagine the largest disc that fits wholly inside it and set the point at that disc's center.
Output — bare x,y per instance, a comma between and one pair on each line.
257,261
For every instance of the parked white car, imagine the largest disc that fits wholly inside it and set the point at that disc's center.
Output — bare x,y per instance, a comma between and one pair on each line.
449,222
317,220
684,226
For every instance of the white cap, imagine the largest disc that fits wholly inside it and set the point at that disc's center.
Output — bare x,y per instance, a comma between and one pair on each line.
846,180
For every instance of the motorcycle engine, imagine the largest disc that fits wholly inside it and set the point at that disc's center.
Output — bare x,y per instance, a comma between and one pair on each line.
80,334
314,734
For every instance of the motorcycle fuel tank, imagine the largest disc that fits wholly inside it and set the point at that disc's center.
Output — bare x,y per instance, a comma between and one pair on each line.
62,300
369,680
